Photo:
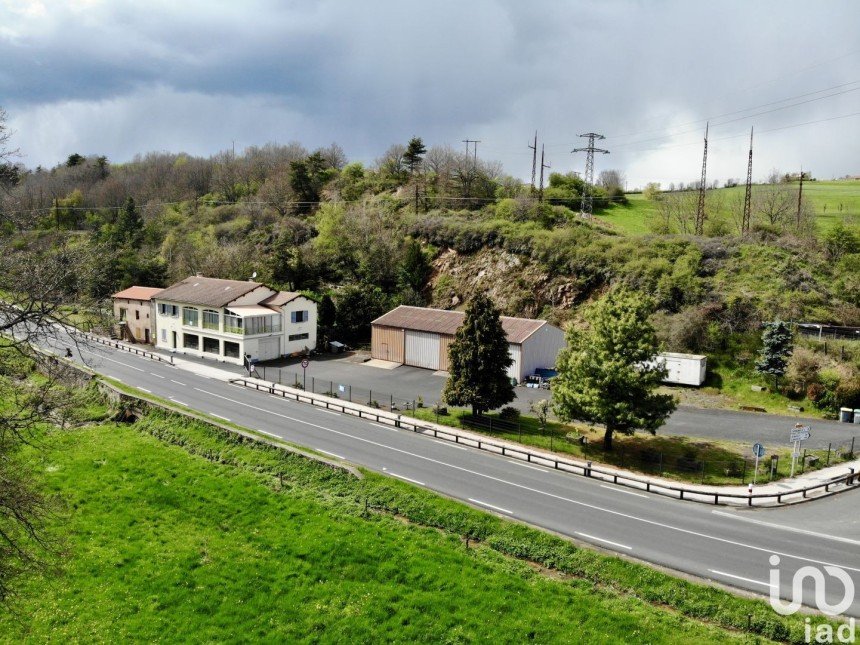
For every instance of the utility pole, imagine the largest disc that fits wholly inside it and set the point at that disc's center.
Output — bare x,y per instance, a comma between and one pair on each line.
542,166
799,199
745,226
533,148
700,209
587,205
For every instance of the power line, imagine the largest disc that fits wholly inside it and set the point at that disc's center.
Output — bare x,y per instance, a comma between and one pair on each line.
587,205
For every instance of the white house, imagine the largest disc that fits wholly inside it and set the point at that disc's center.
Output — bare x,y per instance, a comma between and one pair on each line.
227,319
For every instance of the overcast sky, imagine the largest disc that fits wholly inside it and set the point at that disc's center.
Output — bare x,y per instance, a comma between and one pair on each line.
118,78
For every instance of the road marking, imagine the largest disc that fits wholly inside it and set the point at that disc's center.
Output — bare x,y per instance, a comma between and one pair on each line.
116,379
448,443
636,518
157,375
793,529
110,359
597,539
179,402
331,412
730,575
382,425
406,479
219,416
514,461
497,508
331,453
178,383
271,434
143,389
621,490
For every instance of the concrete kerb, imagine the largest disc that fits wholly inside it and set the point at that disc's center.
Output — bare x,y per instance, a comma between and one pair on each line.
823,483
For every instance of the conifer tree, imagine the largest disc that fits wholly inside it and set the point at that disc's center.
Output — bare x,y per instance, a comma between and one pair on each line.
777,347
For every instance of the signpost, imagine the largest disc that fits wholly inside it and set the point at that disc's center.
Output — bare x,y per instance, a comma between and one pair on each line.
758,451
305,363
799,434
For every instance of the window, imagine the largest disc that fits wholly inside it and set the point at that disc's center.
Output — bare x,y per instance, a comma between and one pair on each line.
298,337
231,349
137,314
263,324
168,310
191,341
122,313
190,316
164,335
232,323
299,316
211,319
211,345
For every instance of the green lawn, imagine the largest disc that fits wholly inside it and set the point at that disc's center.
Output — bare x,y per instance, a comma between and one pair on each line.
173,531
826,198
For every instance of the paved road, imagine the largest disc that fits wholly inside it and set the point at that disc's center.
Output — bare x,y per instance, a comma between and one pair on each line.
729,546
407,383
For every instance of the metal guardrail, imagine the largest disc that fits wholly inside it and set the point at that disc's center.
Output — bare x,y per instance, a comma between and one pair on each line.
122,346
524,454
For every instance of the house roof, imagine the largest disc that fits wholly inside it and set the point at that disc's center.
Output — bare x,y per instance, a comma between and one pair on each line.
280,299
442,321
210,292
137,293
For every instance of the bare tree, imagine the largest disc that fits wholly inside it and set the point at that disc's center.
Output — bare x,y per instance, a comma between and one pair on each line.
610,179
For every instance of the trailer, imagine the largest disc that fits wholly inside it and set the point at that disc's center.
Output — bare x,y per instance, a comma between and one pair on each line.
683,369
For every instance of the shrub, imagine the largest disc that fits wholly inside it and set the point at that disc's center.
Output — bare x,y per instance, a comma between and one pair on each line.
509,413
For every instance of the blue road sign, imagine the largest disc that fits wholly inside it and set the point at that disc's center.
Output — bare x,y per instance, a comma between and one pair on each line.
758,450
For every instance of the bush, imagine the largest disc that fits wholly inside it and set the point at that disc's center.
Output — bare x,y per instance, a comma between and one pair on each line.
509,413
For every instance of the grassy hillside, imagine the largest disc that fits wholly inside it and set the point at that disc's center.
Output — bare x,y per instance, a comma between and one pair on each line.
826,197
174,533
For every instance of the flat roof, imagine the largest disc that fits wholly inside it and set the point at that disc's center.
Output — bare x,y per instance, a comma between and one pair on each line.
138,293
443,321
677,355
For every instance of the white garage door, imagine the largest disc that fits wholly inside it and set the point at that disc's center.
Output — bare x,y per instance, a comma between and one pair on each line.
422,349
269,348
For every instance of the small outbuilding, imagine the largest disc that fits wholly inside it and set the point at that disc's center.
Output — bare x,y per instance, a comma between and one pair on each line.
684,369
421,336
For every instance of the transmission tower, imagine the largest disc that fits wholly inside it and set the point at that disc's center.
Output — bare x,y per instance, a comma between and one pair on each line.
542,166
700,209
533,148
745,226
587,200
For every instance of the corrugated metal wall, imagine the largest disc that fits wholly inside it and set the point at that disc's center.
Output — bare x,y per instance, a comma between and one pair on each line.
541,349
422,349
386,343
445,341
515,370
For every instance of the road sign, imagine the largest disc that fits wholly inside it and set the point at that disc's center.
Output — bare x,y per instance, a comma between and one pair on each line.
305,363
758,450
800,433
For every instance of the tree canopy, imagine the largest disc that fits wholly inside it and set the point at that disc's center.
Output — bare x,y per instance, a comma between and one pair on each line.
777,346
607,374
479,360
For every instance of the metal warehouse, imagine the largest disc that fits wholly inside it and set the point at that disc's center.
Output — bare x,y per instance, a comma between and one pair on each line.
420,336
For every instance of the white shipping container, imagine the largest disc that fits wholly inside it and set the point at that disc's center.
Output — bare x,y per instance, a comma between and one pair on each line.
684,369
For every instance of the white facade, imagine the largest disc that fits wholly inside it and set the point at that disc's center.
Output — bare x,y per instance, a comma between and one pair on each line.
684,369
243,327
540,350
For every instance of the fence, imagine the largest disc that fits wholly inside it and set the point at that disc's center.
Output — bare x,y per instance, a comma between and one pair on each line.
122,346
553,461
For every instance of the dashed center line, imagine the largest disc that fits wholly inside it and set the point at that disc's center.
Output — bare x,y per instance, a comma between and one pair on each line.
157,375
597,539
178,383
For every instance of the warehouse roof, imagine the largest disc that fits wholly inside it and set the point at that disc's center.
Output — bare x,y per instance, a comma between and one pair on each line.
442,321
211,292
137,293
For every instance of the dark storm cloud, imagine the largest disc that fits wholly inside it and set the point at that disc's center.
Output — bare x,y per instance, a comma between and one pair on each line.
120,77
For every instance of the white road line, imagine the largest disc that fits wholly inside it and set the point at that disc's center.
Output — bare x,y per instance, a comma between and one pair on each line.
219,416
116,379
143,389
730,575
271,434
331,412
636,518
179,402
793,529
621,490
518,463
597,539
406,479
382,425
111,359
331,453
448,443
178,383
157,375
495,508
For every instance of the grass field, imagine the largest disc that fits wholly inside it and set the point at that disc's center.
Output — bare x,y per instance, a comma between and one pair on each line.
174,532
833,201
